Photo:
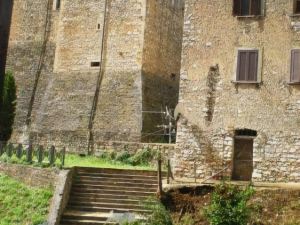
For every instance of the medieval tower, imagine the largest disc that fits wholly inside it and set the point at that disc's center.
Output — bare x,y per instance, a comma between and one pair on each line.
85,70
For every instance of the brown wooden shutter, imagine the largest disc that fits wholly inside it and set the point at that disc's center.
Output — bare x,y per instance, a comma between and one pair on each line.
252,65
295,66
236,10
242,66
256,7
247,65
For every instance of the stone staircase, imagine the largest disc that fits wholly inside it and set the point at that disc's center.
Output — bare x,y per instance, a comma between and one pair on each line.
97,195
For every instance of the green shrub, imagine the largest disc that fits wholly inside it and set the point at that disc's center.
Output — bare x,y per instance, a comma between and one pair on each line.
229,205
7,111
159,214
187,219
123,157
142,157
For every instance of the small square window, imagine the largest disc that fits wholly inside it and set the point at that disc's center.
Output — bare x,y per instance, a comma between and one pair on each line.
247,66
57,4
296,6
295,66
247,7
95,64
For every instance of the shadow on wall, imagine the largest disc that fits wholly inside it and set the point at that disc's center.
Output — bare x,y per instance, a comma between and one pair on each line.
6,7
209,156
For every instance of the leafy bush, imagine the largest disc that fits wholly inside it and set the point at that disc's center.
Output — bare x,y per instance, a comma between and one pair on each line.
159,214
142,157
229,205
123,157
7,111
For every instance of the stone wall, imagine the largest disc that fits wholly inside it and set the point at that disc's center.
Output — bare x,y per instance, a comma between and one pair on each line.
210,114
161,60
30,58
36,177
59,91
132,147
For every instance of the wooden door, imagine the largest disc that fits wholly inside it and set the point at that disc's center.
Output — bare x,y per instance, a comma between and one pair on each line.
243,159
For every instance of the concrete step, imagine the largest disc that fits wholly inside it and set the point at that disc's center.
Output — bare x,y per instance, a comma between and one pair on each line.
110,196
97,193
115,192
106,205
85,187
105,209
117,182
111,175
113,179
117,171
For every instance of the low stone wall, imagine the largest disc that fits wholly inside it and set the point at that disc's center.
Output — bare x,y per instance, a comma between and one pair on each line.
132,147
36,177
61,196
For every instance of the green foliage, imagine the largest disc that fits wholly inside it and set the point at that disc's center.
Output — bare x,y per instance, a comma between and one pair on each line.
7,111
187,219
159,214
142,157
229,205
20,204
123,156
103,161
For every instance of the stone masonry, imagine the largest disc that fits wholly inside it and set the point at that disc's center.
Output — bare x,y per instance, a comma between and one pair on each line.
212,106
85,70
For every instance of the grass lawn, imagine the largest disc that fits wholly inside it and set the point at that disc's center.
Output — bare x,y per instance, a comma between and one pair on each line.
22,205
92,161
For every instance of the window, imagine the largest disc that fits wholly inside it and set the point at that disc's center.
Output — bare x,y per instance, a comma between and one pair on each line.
247,7
247,66
95,64
57,4
295,66
296,6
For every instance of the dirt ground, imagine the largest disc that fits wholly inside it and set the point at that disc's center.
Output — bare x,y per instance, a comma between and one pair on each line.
268,206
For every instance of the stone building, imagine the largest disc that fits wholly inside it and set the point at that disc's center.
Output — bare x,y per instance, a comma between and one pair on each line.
239,101
86,70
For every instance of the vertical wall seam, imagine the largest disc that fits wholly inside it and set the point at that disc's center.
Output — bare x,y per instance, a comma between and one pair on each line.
99,80
40,63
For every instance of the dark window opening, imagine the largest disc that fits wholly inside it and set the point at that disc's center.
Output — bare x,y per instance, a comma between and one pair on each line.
247,7
57,5
295,66
246,132
95,64
297,6
247,66
98,27
173,76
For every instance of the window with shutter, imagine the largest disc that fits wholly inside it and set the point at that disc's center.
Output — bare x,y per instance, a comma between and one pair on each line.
297,6
247,7
247,66
295,66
